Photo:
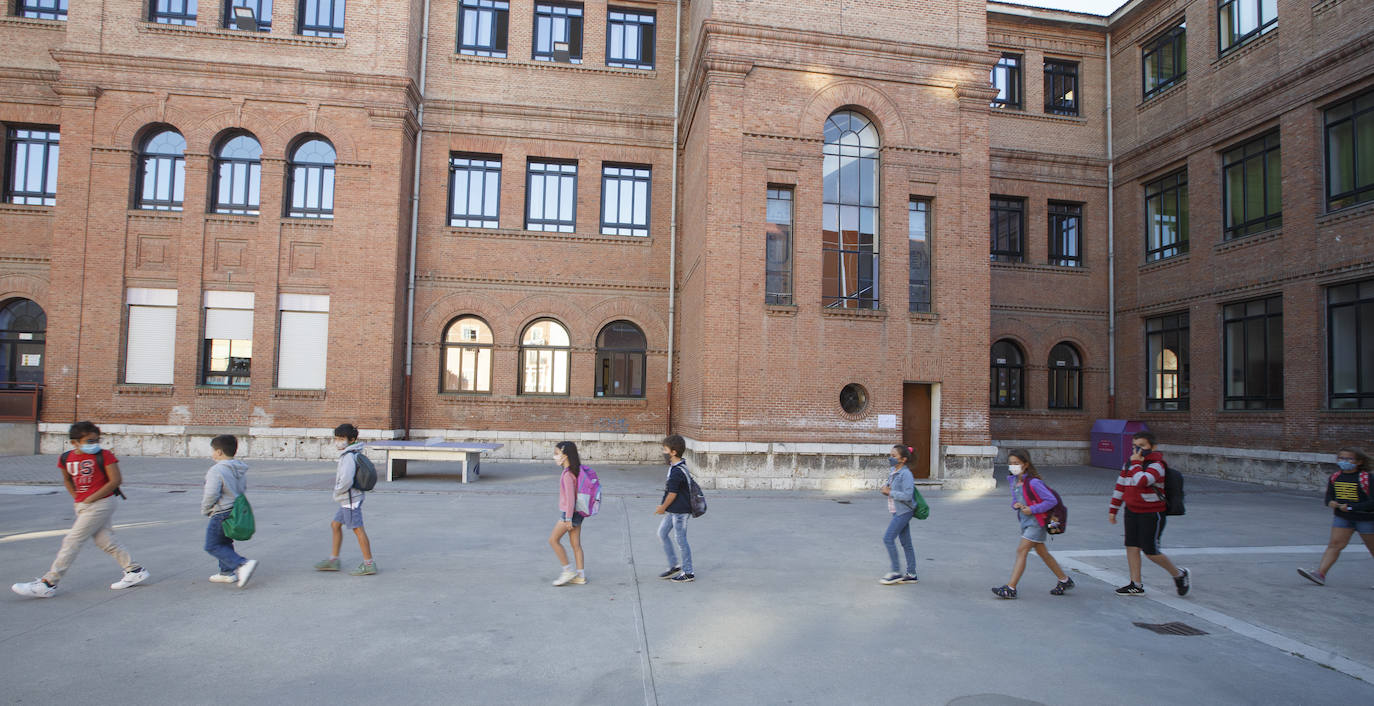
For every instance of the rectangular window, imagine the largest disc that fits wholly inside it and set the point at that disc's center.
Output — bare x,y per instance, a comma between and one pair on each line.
1006,78
1350,345
322,18
32,166
303,341
1164,59
149,349
482,27
227,356
1350,152
261,12
624,200
1251,186
1239,21
1166,350
1008,228
918,255
551,196
777,284
1166,216
629,38
1253,354
1061,87
558,24
1066,234
173,12
474,188
42,9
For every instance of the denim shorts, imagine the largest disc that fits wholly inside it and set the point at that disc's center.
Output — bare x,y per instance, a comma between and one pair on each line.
350,518
1361,526
576,519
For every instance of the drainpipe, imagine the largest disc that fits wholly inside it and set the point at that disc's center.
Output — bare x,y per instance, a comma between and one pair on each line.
1111,245
672,217
414,225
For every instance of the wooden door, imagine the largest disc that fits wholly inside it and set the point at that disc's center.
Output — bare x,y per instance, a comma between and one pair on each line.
916,421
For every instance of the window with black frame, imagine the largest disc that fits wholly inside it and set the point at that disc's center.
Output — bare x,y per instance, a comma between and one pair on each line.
1008,375
1350,345
629,38
620,355
321,18
555,24
1252,353
918,255
849,212
777,285
1350,152
1166,352
1008,229
1166,216
1164,59
474,190
467,351
173,12
42,9
483,27
1006,78
551,196
1251,186
625,200
544,351
227,357
31,166
162,171
1066,377
260,14
1061,87
238,175
1240,21
1066,234
311,172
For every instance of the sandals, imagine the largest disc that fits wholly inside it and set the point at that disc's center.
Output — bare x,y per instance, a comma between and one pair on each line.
1061,587
1005,592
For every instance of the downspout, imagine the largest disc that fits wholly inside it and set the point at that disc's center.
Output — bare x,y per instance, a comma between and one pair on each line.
1111,245
414,225
672,216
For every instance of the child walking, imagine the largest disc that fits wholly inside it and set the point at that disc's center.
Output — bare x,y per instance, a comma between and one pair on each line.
676,508
1352,507
900,490
91,475
1031,499
225,481
1140,487
350,512
569,520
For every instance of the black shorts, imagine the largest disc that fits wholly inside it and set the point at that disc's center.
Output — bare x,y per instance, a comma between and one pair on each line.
1144,530
576,519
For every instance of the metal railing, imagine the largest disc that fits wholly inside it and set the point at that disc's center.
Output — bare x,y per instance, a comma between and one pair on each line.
20,401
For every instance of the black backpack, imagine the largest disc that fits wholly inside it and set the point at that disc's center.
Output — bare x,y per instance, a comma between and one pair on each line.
694,494
1173,491
364,473
99,461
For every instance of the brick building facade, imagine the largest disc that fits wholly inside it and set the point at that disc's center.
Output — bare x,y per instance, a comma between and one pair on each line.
631,220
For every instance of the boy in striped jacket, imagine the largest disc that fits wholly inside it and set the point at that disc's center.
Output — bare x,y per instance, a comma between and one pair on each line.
1140,487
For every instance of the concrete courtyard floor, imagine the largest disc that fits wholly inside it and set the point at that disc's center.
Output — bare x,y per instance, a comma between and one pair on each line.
786,608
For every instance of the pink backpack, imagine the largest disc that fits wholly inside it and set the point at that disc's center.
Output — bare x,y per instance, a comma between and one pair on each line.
588,492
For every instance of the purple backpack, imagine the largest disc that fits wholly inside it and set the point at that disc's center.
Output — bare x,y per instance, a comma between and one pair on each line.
588,492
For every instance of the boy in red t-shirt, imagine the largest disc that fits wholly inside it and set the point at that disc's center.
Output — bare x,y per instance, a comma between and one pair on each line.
91,475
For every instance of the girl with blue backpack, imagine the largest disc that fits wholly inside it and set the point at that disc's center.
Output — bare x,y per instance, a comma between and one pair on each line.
900,490
1032,500
569,519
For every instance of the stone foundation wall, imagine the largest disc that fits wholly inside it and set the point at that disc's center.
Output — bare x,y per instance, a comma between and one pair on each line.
1279,469
18,438
1047,453
784,466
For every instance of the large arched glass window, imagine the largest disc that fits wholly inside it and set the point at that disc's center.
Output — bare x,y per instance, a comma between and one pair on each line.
23,326
238,175
544,349
467,356
1066,377
162,171
312,180
620,351
1008,373
849,249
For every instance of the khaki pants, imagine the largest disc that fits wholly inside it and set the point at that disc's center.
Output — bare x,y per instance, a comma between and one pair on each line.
93,521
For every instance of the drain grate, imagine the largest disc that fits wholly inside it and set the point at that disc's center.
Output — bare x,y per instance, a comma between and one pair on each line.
1171,628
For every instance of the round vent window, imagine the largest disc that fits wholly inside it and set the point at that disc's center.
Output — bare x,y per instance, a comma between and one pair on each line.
853,398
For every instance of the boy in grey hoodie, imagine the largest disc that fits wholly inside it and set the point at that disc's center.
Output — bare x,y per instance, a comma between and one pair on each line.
225,481
350,500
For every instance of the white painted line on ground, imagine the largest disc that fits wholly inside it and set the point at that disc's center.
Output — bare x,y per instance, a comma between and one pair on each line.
20,536
1204,551
1323,656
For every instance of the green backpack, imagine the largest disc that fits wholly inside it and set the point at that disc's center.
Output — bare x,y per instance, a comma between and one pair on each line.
239,525
922,510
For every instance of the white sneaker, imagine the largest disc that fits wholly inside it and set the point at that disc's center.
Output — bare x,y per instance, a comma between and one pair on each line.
565,577
890,578
223,578
131,578
245,571
34,589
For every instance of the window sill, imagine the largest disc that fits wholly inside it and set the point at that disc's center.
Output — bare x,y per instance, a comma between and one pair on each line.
216,391
1234,53
860,314
283,393
241,35
456,398
1071,119
1147,412
143,389
1164,264
1059,269
20,209
1158,97
780,309
297,222
1344,214
1040,413
1321,7
1365,413
554,66
153,214
1245,241
923,317
1251,415
234,218
547,235
33,23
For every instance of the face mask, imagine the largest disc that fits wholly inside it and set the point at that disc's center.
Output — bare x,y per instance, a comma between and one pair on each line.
91,448
893,462
341,445
667,458
1344,465
1015,469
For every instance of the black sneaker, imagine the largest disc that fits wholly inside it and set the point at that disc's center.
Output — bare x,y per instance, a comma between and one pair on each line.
1131,589
670,572
1182,583
1061,587
909,578
684,578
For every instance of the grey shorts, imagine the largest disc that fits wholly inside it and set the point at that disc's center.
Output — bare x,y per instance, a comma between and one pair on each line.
350,518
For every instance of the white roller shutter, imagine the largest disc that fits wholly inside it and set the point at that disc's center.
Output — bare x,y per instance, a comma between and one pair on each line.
303,350
151,345
231,324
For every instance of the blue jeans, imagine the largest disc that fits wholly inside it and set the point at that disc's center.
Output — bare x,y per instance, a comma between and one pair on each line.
676,522
220,546
900,526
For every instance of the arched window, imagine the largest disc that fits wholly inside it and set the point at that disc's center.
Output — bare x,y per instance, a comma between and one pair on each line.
544,349
620,349
312,180
23,326
1066,377
162,171
467,356
238,175
1008,368
849,226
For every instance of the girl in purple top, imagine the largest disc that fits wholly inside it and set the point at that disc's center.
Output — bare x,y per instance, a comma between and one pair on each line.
569,521
1031,499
